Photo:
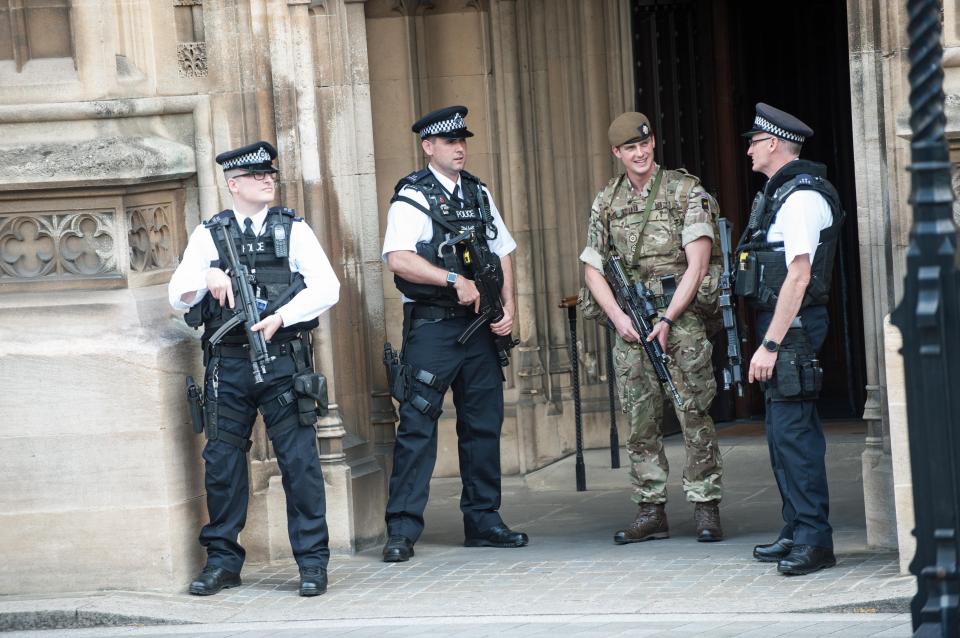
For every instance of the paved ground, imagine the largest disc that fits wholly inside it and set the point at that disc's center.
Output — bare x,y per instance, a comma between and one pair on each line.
571,579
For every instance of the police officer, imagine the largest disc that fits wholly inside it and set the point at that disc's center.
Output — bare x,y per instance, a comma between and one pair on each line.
429,207
294,284
661,224
785,261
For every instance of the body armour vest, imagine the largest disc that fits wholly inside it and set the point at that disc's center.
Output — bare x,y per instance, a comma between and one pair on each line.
653,247
761,268
450,220
267,258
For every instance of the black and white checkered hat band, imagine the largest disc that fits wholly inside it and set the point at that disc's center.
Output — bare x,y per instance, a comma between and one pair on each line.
259,157
443,126
768,126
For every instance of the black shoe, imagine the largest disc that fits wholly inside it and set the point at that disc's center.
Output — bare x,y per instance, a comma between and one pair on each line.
313,581
212,579
806,559
773,552
497,536
398,549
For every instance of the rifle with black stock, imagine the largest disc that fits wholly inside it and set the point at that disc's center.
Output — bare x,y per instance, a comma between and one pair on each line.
635,301
491,308
245,310
733,371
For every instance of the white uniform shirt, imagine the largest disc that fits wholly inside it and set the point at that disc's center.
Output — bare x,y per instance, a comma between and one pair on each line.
799,222
306,257
406,225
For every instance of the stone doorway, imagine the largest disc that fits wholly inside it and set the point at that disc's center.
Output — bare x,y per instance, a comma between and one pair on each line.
700,67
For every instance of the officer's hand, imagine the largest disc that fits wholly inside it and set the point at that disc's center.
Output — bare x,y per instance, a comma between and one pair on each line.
220,286
660,332
269,326
761,365
505,325
467,293
625,327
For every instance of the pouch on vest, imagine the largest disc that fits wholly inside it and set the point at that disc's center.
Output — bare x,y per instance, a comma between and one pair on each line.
748,276
311,391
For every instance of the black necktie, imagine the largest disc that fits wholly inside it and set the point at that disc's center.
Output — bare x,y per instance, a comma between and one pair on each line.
248,229
455,196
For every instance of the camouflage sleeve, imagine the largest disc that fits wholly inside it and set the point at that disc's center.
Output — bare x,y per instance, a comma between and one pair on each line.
699,219
596,249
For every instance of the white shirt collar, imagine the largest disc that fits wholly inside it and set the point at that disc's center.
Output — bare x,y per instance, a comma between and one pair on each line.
258,219
446,183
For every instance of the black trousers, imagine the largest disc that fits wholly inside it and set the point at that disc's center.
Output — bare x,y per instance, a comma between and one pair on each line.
798,449
226,464
477,384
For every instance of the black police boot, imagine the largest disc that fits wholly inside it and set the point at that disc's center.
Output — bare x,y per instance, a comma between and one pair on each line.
497,536
806,559
313,581
398,549
212,579
773,552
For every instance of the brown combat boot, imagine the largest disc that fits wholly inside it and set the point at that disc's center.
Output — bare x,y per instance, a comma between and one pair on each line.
650,524
707,518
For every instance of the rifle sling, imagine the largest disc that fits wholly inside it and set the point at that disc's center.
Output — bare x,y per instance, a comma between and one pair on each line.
647,209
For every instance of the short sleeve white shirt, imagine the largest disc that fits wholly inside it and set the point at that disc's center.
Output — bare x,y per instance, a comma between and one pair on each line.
799,222
406,225
306,257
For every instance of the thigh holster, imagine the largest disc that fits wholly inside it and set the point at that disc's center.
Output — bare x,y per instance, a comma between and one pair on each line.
404,380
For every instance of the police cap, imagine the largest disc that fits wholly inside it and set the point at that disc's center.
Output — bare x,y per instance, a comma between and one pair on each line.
255,158
629,127
779,123
446,122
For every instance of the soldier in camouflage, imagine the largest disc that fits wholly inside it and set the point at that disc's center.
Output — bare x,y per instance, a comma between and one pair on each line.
662,224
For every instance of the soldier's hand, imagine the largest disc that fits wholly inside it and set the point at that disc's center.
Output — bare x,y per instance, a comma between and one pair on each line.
467,293
220,286
505,325
269,326
660,332
625,327
761,365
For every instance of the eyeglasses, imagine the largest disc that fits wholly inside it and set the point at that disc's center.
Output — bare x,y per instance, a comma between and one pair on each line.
759,139
259,176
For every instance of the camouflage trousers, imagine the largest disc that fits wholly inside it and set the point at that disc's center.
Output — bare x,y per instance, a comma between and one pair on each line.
642,398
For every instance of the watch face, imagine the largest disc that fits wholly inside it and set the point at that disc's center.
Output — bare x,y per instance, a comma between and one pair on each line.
771,345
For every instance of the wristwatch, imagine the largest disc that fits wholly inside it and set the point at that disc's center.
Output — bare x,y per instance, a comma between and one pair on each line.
452,279
770,345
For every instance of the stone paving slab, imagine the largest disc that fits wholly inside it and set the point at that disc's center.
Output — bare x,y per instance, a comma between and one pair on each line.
571,567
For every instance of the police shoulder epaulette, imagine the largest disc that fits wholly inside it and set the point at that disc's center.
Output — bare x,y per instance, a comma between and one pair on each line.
219,217
471,177
283,210
412,178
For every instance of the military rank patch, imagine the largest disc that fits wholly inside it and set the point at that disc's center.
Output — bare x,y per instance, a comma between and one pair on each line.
705,203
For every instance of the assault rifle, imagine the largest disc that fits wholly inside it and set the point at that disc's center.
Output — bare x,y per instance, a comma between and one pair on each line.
636,302
477,258
733,371
245,310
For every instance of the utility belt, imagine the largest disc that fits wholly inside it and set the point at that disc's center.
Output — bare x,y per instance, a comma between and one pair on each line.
797,373
432,312
308,392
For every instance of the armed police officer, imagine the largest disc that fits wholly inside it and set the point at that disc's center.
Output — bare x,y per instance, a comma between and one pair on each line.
661,225
434,216
784,266
293,284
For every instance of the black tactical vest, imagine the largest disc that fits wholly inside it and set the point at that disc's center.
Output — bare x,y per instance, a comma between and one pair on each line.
762,269
450,219
267,258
